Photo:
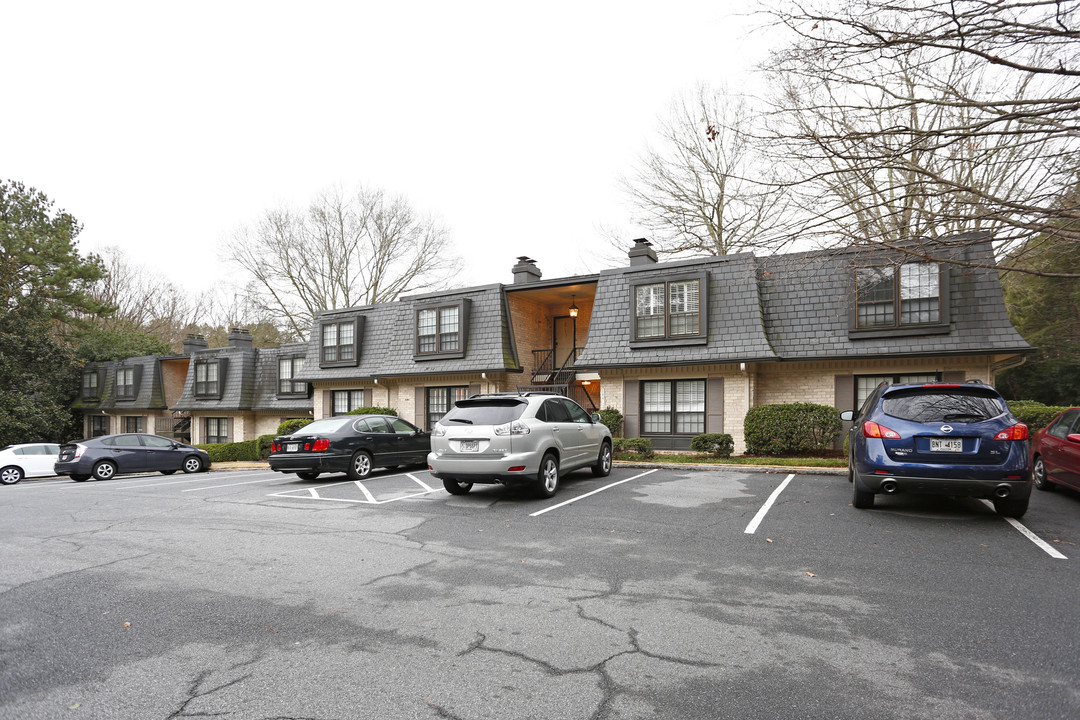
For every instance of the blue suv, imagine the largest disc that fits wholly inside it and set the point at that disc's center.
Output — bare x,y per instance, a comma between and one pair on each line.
939,439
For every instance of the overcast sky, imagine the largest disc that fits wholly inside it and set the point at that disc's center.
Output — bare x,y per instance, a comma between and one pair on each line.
162,127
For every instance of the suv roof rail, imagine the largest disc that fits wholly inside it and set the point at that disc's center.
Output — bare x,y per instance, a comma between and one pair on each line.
976,381
528,393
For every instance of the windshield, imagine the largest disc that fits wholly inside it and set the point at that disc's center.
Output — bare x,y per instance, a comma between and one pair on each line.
326,425
487,412
927,405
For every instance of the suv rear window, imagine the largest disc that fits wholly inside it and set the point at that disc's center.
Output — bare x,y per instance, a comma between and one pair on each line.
932,405
484,412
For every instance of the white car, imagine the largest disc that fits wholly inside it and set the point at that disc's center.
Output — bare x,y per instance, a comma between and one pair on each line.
27,460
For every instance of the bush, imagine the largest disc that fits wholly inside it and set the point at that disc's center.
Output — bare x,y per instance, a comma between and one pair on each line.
791,429
290,426
232,452
613,419
262,444
1034,414
372,410
719,444
634,446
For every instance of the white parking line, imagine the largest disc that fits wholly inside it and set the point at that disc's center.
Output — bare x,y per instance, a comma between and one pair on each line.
582,497
1030,535
370,499
753,526
246,482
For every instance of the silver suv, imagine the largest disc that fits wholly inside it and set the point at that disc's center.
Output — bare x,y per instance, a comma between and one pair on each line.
517,439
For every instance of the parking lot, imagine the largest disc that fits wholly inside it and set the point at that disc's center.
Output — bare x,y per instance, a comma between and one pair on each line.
659,593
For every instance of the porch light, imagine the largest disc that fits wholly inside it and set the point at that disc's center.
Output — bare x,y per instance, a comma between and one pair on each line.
573,307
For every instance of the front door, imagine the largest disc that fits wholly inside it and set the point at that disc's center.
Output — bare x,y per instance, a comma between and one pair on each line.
563,340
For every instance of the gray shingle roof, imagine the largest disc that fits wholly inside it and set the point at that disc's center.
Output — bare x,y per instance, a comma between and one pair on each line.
150,393
735,328
266,379
389,338
238,391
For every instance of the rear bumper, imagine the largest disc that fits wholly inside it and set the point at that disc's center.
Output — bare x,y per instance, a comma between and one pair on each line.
73,467
480,469
988,488
309,462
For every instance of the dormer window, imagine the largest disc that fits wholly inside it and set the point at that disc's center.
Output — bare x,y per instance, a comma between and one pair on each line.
339,341
125,383
91,385
441,331
892,298
670,309
210,378
288,369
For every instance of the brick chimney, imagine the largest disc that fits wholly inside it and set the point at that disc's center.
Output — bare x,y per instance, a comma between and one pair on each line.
241,338
642,253
193,343
526,271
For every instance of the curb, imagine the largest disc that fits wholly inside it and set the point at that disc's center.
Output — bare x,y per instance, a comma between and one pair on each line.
701,467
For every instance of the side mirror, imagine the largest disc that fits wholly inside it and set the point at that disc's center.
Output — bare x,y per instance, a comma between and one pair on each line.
847,415
596,417
1073,437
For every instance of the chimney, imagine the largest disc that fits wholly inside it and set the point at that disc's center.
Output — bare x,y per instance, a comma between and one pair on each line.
526,271
642,253
193,343
241,338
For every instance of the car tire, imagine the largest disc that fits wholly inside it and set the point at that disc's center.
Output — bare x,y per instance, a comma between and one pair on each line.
1011,507
167,472
456,487
1038,474
192,464
307,475
602,468
360,465
104,470
861,496
547,478
80,478
11,475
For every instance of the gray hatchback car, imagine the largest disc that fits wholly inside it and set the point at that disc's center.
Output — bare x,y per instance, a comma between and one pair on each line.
530,438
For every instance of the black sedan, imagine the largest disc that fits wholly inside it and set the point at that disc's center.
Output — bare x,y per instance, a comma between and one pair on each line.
109,455
352,444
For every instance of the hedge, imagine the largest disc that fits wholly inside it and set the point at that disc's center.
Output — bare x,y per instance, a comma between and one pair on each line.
791,429
719,444
232,452
290,426
635,446
1034,414
372,410
613,419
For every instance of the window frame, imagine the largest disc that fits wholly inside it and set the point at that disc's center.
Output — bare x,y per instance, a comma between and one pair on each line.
92,391
132,421
349,394
102,420
209,389
898,328
452,396
296,388
668,337
442,351
127,391
222,434
892,379
337,322
673,412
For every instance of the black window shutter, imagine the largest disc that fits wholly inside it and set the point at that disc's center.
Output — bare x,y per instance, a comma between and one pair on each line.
631,409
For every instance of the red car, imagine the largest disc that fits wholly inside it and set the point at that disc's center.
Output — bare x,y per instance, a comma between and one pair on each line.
1055,452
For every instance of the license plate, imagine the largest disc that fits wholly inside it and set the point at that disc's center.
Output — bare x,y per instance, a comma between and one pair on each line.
292,447
956,445
469,446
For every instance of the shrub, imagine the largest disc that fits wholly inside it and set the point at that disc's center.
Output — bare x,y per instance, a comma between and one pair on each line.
262,444
791,429
634,446
613,419
372,410
290,426
1034,414
719,444
232,452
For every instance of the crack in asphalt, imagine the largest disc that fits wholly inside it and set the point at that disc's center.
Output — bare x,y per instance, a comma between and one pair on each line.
74,572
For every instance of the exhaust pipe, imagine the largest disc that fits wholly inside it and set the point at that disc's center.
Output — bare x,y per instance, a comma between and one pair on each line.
1002,491
888,487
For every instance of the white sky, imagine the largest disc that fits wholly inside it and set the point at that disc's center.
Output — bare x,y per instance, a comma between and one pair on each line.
163,127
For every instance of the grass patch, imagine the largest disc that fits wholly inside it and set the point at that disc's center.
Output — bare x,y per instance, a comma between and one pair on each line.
737,460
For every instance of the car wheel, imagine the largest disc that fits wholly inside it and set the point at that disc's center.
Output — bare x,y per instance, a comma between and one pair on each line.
547,479
11,475
1038,474
104,470
360,465
861,496
192,464
1011,507
167,472
80,478
307,475
602,468
456,487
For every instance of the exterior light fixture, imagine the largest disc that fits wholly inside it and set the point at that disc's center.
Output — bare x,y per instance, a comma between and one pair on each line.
573,307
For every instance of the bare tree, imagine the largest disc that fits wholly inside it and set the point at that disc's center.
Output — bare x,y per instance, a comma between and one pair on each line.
343,250
705,190
910,119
